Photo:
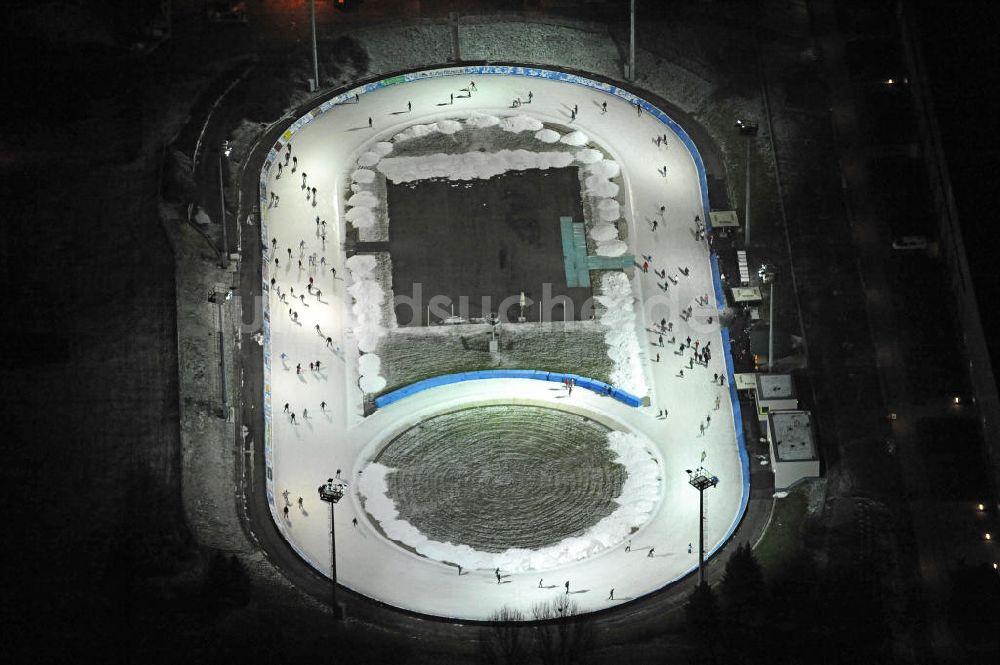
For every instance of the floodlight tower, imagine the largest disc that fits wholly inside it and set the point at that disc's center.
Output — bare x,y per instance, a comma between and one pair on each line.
701,480
331,492
224,151
747,130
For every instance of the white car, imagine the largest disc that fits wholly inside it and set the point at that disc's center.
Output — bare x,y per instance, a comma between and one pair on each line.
910,243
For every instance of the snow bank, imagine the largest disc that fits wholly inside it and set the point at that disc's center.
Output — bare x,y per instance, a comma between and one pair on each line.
469,165
576,138
449,126
588,156
361,218
608,210
416,132
363,176
605,168
520,123
369,364
368,296
382,148
369,159
639,496
372,384
480,120
603,232
547,135
619,319
363,199
611,248
600,186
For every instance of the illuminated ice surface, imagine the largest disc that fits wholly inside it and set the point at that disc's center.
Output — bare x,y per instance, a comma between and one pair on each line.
333,150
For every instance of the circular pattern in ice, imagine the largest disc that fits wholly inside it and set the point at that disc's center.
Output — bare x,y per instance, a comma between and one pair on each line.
369,159
534,475
363,176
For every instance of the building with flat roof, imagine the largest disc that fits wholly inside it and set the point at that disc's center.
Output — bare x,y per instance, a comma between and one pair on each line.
792,447
774,392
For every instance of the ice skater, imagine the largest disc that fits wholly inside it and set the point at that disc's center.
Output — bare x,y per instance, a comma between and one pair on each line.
651,550
567,586
369,123
611,596
604,107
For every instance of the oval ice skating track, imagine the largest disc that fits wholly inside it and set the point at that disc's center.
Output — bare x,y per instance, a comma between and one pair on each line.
301,456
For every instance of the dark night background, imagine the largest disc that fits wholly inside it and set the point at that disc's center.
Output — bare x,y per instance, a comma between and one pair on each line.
64,271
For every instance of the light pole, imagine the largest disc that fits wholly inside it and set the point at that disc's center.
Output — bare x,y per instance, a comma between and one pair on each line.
766,275
631,40
748,130
331,492
312,20
701,480
223,152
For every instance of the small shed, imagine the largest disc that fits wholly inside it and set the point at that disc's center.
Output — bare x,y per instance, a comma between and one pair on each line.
792,447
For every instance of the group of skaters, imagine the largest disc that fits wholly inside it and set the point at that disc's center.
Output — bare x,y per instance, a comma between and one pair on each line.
315,262
650,553
696,352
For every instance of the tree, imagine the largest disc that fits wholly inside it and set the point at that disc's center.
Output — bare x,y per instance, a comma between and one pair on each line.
703,623
506,641
563,637
743,605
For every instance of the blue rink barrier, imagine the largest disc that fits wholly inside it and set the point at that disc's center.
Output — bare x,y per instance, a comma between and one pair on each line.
584,382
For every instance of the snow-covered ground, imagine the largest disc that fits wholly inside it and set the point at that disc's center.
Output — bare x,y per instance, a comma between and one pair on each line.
330,150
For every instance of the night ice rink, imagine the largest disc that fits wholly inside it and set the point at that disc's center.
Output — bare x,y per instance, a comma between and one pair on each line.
340,437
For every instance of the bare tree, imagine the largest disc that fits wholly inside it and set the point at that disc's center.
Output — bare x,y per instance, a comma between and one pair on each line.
564,636
506,641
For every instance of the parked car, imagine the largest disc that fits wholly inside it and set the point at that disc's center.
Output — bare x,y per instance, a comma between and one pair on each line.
910,243
227,12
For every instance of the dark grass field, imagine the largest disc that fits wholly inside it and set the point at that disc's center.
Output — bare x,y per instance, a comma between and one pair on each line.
483,239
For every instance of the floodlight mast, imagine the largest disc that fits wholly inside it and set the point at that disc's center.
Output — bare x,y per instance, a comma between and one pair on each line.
331,492
701,480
